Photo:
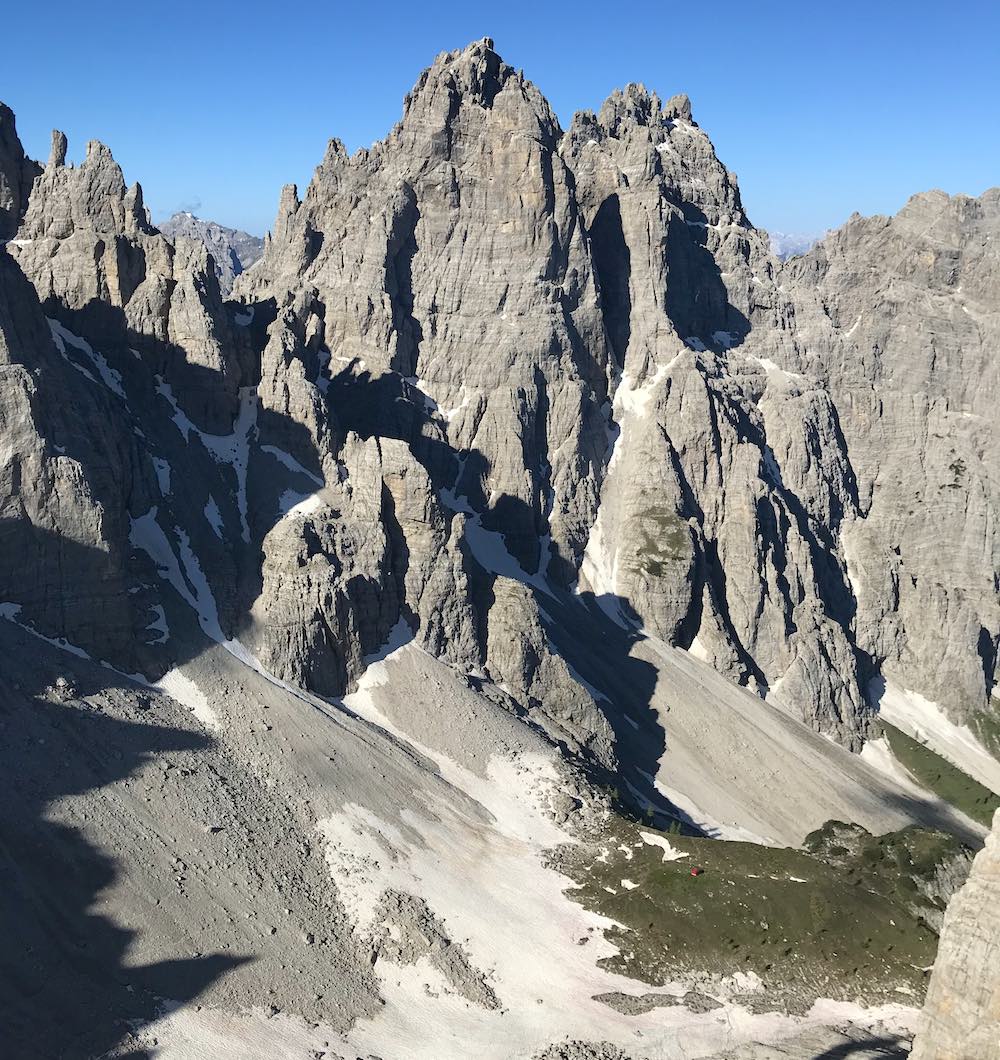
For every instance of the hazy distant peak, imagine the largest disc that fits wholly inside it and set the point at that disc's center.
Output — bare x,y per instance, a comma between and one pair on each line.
232,250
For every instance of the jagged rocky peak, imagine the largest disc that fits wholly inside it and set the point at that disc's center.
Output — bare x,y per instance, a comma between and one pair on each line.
90,197
653,509
491,261
98,264
58,149
17,173
475,74
635,103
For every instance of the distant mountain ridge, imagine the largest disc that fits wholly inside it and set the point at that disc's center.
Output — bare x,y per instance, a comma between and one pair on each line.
785,245
232,250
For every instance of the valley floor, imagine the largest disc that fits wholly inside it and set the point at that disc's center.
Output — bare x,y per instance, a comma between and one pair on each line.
407,904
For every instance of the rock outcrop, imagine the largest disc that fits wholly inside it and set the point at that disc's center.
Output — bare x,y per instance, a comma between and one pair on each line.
897,319
961,1016
17,173
87,245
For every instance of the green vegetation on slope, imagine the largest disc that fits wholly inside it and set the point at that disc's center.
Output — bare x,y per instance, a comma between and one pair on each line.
986,725
940,776
808,929
663,537
916,868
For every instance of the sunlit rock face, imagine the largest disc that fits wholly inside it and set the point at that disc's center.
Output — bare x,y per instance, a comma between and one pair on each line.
489,348
961,1017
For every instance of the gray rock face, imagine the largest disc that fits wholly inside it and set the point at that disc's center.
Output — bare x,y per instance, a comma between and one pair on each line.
487,359
87,246
16,175
724,484
898,320
232,251
961,1017
65,471
543,401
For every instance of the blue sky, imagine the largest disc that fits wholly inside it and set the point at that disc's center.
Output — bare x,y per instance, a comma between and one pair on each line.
820,109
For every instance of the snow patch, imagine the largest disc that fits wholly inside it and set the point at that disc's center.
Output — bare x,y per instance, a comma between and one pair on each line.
162,469
698,649
290,462
292,504
110,377
180,687
173,683
180,568
214,517
926,722
670,853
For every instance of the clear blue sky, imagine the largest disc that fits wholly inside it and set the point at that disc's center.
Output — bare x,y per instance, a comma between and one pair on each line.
821,109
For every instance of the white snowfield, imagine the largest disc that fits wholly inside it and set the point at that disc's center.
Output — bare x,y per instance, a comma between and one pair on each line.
926,722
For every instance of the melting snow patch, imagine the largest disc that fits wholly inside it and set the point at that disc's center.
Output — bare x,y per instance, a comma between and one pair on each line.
490,549
232,449
629,885
181,568
173,683
698,650
214,517
669,853
12,613
291,504
927,723
180,687
630,398
162,469
111,378
290,462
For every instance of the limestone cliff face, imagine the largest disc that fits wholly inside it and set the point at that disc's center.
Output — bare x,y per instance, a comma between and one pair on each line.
87,245
17,174
487,360
961,1016
728,480
453,258
898,320
64,474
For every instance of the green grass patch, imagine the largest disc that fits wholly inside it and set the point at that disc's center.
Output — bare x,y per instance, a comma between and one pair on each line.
986,725
914,867
940,776
807,928
662,538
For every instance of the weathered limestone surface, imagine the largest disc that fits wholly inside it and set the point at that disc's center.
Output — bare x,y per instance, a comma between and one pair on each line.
961,1016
